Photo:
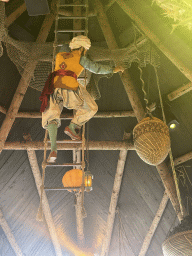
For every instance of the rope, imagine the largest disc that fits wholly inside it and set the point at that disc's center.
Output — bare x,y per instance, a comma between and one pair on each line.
170,151
39,216
141,75
83,133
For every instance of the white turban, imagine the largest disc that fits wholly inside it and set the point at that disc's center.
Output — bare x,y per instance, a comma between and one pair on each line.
80,41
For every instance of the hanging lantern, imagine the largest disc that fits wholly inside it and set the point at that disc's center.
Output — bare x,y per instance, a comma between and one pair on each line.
73,179
88,181
151,140
180,242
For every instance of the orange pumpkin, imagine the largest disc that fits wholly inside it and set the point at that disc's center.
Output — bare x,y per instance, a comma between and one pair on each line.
72,179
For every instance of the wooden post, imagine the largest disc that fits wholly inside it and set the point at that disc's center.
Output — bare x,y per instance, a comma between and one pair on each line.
45,203
23,84
154,225
10,235
70,145
14,15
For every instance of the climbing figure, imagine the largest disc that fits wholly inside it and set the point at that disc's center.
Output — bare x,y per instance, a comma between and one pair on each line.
63,90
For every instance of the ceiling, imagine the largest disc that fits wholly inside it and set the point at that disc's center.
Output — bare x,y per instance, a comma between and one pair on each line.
141,189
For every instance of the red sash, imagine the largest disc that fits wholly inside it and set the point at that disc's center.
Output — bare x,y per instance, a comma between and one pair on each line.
49,86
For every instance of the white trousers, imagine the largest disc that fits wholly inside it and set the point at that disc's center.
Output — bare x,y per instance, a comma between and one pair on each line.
79,100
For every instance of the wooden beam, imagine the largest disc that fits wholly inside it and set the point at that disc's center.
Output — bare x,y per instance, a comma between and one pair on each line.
183,158
164,172
10,235
14,15
24,83
154,225
45,204
111,2
112,44
173,47
180,91
113,203
3,110
93,145
79,219
70,116
169,184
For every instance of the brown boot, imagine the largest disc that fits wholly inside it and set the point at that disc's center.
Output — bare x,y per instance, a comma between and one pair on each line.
52,157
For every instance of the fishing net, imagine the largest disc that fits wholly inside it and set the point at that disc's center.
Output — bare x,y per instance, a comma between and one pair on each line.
41,55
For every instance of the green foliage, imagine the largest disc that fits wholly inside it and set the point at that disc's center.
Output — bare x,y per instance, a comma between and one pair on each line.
179,10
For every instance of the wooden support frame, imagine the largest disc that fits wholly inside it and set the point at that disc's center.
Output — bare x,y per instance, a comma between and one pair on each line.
10,235
24,83
154,225
137,107
14,15
45,204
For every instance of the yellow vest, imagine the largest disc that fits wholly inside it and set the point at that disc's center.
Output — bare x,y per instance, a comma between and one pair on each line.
68,61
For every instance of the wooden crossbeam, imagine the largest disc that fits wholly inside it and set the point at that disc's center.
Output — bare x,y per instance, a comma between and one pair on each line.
154,225
93,145
14,15
182,159
24,83
180,91
45,204
10,235
103,114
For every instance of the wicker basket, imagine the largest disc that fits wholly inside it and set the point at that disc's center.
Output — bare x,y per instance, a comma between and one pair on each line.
151,140
179,244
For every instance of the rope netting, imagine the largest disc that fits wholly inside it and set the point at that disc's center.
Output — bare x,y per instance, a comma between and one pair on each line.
21,53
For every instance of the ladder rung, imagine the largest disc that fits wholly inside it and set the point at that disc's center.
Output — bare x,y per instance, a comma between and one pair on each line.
62,165
71,17
72,31
67,188
82,78
67,141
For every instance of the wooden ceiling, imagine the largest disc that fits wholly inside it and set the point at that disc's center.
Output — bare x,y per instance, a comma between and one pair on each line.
141,191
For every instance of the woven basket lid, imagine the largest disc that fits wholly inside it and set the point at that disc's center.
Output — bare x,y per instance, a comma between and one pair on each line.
179,244
151,140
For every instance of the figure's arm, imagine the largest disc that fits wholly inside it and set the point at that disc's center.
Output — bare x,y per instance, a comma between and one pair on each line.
95,67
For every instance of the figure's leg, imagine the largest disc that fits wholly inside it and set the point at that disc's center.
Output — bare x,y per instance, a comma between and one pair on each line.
51,121
85,107
52,129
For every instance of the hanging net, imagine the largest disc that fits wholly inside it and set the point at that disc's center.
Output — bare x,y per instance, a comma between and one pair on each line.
21,53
